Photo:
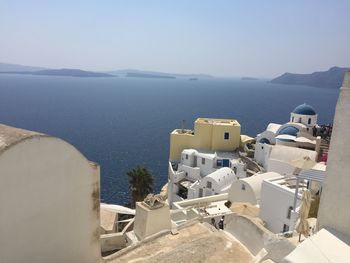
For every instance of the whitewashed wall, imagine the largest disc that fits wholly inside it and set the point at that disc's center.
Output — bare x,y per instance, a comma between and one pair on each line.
49,201
274,204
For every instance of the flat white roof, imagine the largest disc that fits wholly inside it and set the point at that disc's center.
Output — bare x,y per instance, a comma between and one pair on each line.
283,182
323,247
217,208
305,140
211,154
189,151
287,153
118,209
273,127
214,121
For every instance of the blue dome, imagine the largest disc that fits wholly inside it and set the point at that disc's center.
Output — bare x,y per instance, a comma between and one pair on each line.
304,109
289,130
264,140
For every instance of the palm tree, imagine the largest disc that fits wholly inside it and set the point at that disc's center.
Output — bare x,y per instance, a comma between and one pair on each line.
140,183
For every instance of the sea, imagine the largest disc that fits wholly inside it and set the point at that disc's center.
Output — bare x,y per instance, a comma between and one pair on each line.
123,122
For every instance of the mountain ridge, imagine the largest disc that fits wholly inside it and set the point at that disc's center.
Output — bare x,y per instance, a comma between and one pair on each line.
332,78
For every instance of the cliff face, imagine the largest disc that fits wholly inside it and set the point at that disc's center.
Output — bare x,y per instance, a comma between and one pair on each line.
331,78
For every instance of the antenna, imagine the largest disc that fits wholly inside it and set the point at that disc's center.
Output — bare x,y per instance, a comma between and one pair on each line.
183,126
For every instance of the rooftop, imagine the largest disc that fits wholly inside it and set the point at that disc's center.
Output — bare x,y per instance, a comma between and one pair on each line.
186,132
273,127
217,121
195,243
321,247
304,109
211,154
286,153
288,184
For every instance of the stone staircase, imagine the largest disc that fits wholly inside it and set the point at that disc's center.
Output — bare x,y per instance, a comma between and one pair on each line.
324,148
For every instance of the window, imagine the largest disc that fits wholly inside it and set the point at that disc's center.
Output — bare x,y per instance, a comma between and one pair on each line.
203,161
300,120
293,119
200,194
264,141
243,187
226,136
285,228
309,121
186,156
289,212
219,163
208,184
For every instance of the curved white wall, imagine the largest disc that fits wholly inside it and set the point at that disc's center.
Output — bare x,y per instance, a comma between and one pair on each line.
241,191
49,199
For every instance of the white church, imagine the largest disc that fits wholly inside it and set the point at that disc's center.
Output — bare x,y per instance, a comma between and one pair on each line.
297,135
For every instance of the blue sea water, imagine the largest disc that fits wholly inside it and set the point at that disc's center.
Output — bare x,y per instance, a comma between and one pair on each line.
123,122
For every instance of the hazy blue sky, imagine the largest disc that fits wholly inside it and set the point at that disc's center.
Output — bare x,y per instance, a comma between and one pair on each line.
226,38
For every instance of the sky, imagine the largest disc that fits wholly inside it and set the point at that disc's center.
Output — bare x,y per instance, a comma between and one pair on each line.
229,38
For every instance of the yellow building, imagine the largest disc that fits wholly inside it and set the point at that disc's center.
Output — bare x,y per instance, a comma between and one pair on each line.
208,134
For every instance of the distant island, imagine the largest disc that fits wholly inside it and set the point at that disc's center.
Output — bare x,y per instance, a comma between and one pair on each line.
331,78
152,76
61,72
6,68
16,67
249,78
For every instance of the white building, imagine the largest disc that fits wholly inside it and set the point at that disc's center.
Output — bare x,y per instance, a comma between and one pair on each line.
331,243
295,134
217,182
280,197
276,205
248,189
49,200
203,173
280,158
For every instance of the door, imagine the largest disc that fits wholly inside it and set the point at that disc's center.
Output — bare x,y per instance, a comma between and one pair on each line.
225,163
200,192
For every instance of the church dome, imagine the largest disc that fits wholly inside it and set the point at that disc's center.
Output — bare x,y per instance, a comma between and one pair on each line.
289,130
304,109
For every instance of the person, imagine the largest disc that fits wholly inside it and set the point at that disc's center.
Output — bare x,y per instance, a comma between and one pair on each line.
314,131
213,222
322,131
221,223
